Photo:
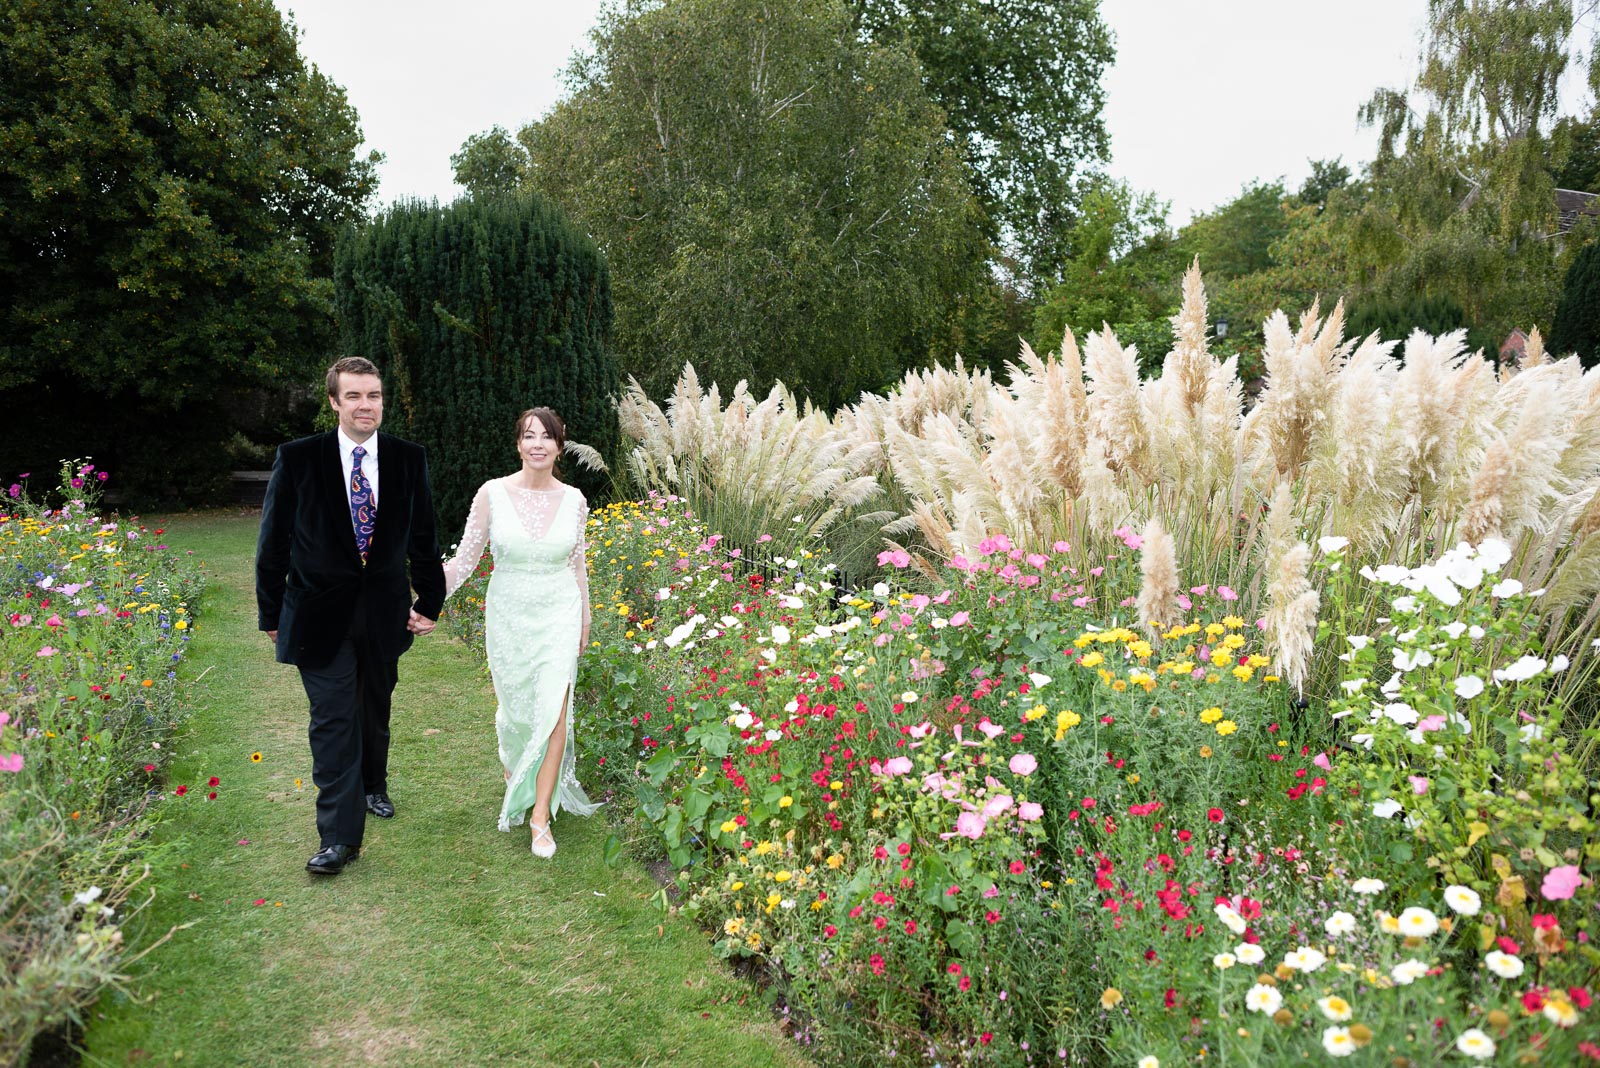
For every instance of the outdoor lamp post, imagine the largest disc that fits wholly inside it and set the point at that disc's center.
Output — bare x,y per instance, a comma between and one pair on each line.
1222,328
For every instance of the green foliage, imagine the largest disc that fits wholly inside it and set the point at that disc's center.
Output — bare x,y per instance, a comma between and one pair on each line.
1237,238
477,312
490,163
1326,176
1019,82
173,179
1577,322
775,198
1121,273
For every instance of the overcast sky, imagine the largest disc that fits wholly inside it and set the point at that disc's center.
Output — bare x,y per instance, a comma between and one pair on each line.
1203,98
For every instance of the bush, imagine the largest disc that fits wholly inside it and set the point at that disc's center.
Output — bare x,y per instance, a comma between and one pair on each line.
476,312
1577,323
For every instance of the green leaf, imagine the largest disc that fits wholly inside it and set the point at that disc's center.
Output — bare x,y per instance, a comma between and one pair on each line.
611,852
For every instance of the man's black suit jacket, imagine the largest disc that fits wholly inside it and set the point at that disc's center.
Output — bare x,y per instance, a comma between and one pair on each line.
309,576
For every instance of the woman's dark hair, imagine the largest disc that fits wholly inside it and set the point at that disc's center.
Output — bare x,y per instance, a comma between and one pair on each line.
549,420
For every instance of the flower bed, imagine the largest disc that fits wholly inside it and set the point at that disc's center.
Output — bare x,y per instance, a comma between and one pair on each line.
96,616
981,816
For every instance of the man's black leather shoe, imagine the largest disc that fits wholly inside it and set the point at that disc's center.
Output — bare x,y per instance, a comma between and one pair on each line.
380,806
332,859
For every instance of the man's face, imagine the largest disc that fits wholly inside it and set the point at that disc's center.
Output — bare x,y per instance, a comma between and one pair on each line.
359,402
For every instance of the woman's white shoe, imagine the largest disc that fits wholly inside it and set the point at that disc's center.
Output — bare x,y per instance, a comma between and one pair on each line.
544,844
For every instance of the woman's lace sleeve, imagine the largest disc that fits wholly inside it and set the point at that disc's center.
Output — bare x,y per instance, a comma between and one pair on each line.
579,561
459,567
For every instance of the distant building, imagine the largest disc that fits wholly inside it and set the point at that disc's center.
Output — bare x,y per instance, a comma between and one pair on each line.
1514,347
1571,203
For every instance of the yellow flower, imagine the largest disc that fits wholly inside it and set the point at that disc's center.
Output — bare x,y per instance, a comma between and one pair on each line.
836,785
1205,751
1094,659
835,861
728,826
734,925
754,941
1140,649
785,801
1119,685
1232,622
782,877
1110,998
1243,673
738,885
1034,713
255,758
1227,727
1215,630
1211,715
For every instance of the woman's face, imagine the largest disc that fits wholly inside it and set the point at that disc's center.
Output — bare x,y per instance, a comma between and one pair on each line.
538,447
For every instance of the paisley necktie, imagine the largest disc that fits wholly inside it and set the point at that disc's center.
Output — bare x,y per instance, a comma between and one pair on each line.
363,509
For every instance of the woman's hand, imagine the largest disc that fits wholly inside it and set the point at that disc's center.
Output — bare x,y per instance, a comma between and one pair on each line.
583,640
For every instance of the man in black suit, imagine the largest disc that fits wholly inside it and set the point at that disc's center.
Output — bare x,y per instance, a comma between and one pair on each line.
334,595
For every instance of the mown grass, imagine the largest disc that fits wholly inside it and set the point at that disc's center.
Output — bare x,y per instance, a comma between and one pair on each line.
446,943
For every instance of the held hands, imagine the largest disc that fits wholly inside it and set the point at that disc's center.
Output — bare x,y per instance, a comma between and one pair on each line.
420,624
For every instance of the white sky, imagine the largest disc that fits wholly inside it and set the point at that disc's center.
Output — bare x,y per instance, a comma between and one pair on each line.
1204,96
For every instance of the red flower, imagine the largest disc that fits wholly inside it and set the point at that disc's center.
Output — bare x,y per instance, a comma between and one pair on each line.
992,916
149,767
1214,815
877,963
986,1038
879,922
829,931
1017,867
954,969
180,791
964,982
214,781
904,848
1545,920
881,853
1533,1001
1171,998
212,796
1579,996
953,891
911,927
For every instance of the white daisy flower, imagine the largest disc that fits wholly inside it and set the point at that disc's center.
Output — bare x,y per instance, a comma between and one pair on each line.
1249,953
1504,965
1463,900
1340,923
1223,961
1408,971
1474,1043
1368,886
1335,1008
1305,959
1263,999
1418,922
1337,1041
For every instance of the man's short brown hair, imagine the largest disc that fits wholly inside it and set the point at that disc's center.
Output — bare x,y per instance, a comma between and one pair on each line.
349,365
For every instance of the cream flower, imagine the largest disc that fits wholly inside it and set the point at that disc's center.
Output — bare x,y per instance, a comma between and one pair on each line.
1368,886
1418,922
1263,999
1474,1043
1340,923
1408,971
1503,964
1335,1008
1337,1041
1224,961
1231,919
1462,900
1305,959
1249,953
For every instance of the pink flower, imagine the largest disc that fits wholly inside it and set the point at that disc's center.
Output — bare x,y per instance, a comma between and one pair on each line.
996,805
1023,764
1419,785
1430,723
45,651
1561,883
1321,761
1082,602
1060,547
990,729
54,620
970,825
12,763
1226,594
1037,560
764,538
959,619
897,766
1030,811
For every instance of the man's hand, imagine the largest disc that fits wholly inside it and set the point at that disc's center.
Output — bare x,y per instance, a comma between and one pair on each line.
419,624
272,636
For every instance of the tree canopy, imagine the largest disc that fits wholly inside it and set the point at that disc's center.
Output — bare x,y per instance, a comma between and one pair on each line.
1019,82
776,198
172,180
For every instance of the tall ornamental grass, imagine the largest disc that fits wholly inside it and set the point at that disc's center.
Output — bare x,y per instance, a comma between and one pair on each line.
1399,449
95,617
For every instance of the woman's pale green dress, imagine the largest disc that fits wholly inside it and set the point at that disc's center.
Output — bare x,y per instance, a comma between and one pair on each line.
537,602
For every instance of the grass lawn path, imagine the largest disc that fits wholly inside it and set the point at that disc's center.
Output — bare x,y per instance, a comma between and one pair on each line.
445,943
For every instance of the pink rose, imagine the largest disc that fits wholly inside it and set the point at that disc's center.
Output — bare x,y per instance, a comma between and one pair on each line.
1023,764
